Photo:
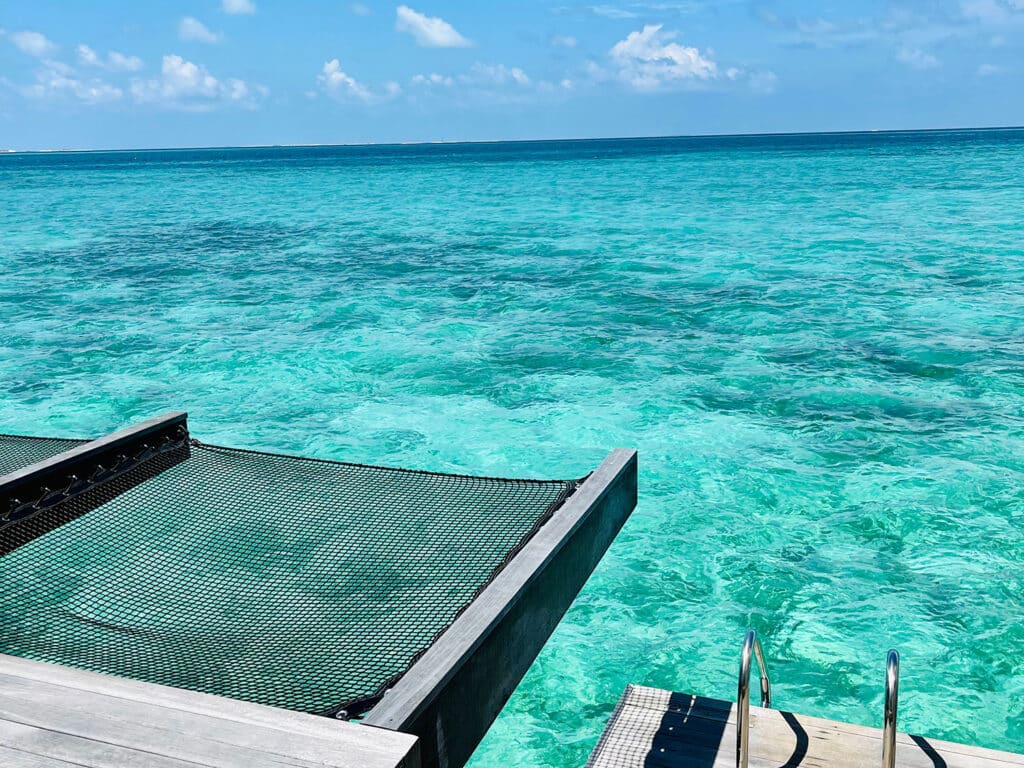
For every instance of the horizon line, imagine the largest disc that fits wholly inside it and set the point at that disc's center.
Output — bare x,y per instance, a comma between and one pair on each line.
456,142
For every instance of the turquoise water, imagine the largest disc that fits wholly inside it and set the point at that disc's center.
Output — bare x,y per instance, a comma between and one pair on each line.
816,343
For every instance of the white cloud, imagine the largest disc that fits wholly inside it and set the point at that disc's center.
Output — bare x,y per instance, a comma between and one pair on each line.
992,11
429,31
122,63
563,41
359,9
763,81
185,85
434,79
496,74
823,33
115,61
612,12
490,83
479,75
648,61
910,33
87,55
897,26
987,70
760,81
32,43
916,58
193,29
238,7
54,79
904,26
333,80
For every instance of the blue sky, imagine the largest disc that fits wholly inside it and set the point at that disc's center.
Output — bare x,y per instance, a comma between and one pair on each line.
113,73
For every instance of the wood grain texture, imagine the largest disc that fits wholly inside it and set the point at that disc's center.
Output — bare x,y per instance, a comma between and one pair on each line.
659,729
53,716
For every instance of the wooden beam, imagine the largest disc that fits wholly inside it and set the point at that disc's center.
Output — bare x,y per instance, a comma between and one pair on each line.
452,694
29,493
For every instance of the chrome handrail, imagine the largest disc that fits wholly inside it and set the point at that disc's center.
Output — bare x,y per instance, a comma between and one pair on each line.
751,647
892,696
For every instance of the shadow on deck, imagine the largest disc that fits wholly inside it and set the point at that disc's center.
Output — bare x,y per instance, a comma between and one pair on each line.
651,728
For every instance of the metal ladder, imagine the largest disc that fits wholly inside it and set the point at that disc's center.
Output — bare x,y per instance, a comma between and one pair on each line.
752,649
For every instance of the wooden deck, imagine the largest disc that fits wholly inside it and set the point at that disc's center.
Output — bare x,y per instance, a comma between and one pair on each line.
651,728
57,717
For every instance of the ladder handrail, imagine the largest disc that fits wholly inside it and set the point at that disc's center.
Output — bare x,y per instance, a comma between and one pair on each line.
751,648
892,696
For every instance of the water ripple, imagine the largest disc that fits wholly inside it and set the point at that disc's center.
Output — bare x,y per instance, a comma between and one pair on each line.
817,344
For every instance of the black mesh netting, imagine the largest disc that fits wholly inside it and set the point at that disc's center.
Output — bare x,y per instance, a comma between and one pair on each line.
298,583
17,452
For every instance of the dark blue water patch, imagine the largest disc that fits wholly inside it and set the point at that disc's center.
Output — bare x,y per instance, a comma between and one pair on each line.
876,143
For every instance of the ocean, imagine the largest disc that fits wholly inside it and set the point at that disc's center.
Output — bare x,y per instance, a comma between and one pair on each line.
816,343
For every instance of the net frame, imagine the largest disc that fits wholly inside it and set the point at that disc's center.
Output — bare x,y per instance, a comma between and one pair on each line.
121,489
20,451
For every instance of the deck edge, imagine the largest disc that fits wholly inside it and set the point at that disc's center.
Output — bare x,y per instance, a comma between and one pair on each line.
454,692
40,491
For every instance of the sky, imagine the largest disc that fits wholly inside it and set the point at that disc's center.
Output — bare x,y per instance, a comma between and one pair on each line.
122,74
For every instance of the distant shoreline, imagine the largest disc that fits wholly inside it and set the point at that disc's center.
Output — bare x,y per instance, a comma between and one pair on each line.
463,142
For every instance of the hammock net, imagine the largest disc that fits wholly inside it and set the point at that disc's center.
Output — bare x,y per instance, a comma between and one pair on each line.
298,583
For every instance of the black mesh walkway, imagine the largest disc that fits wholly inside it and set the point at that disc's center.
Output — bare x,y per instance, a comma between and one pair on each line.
303,584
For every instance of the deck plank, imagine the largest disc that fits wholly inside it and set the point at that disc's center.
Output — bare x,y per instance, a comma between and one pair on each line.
53,716
15,758
660,729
